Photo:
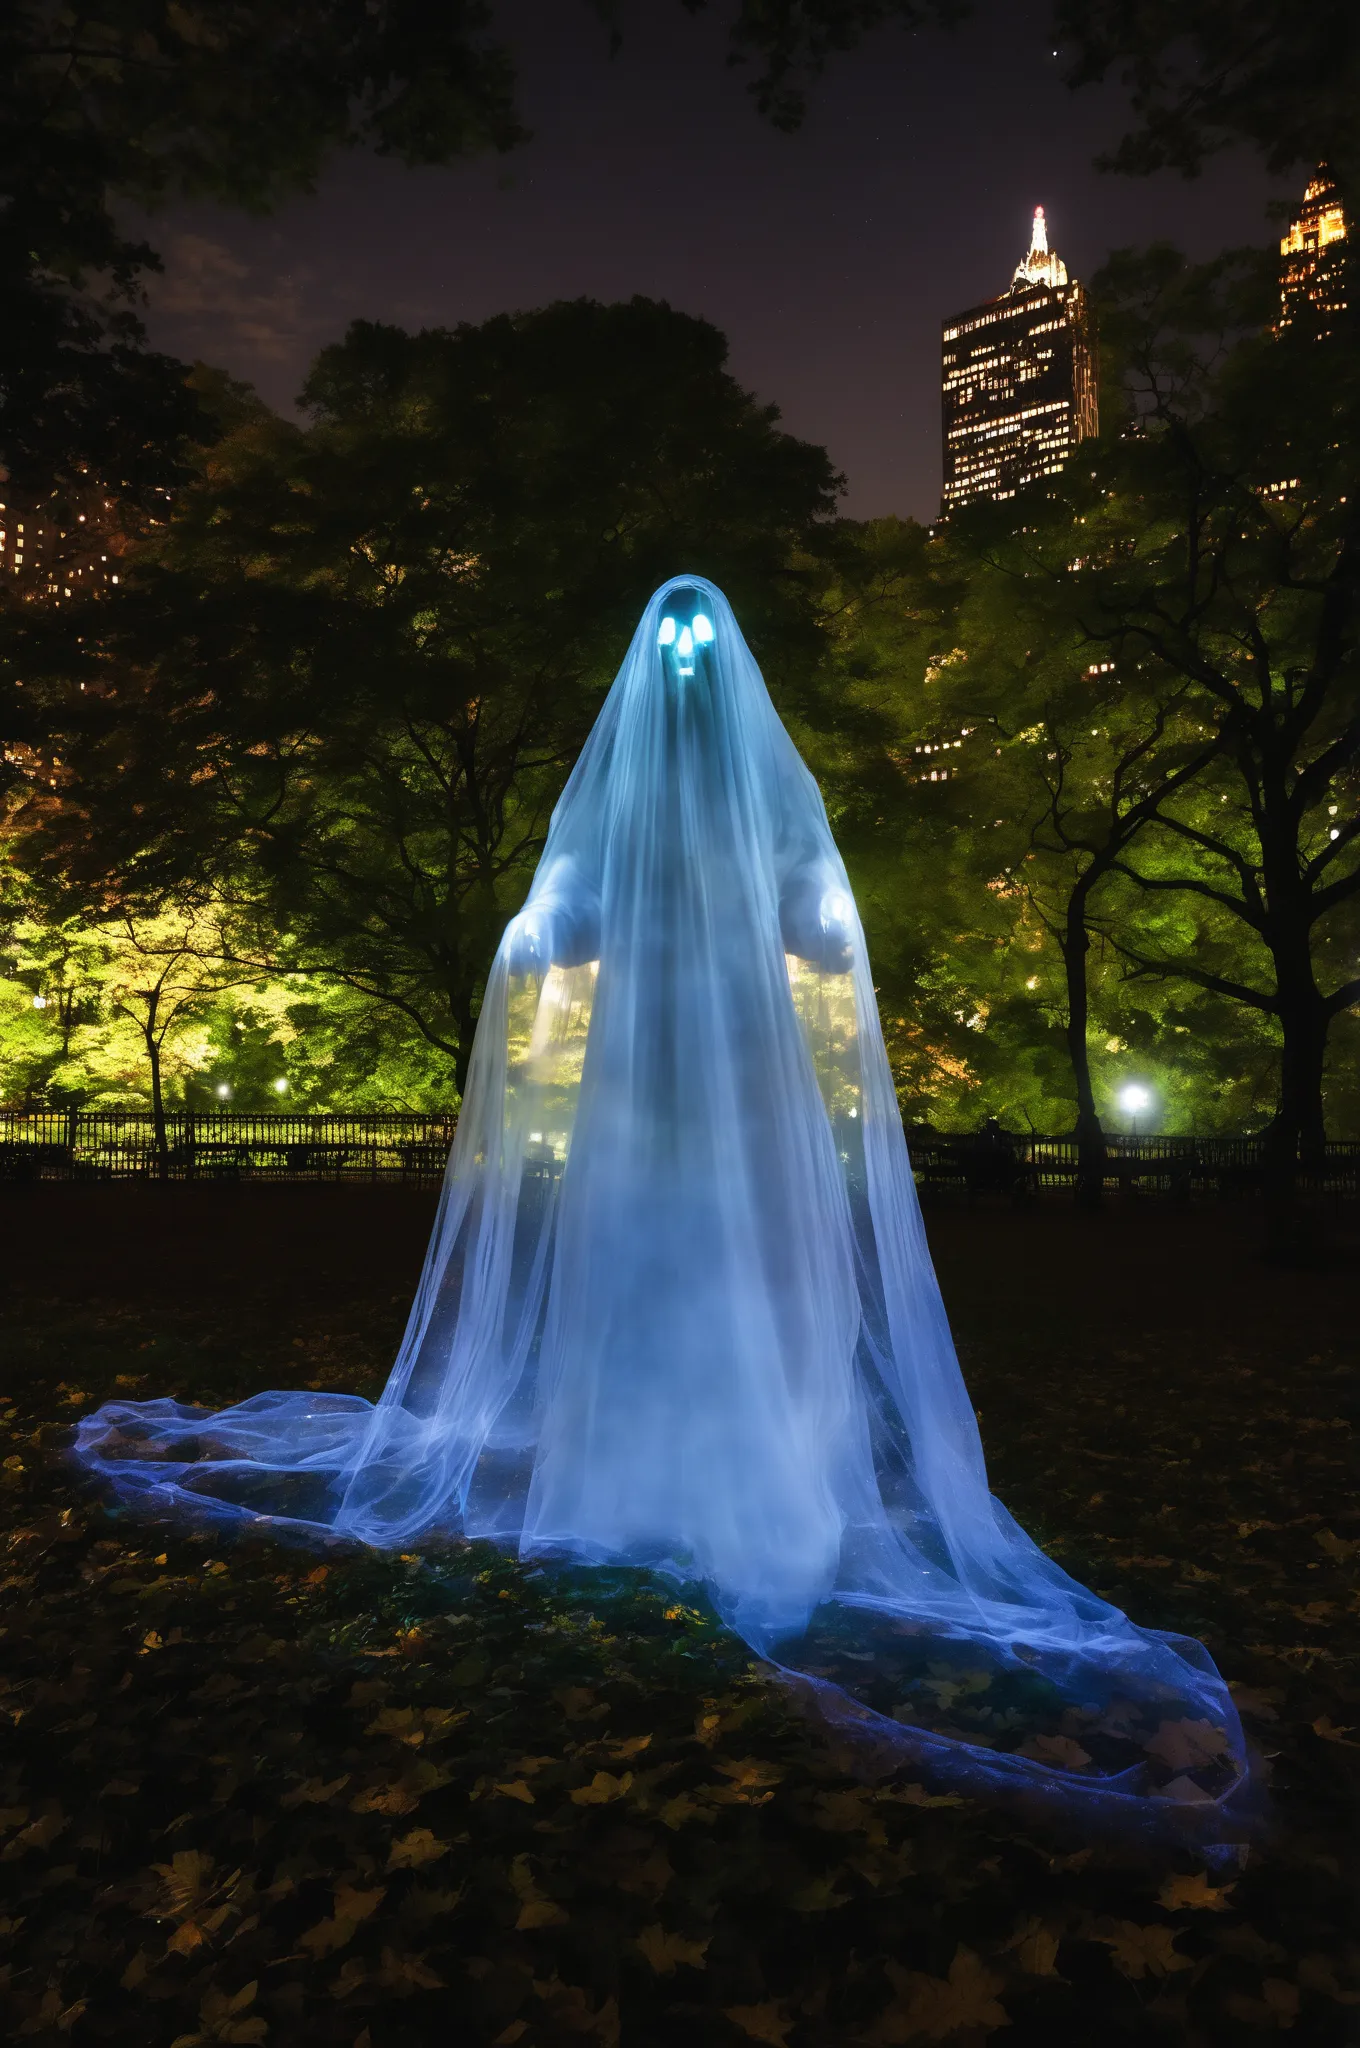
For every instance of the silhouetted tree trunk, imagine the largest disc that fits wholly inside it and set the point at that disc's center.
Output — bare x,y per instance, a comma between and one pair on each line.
1075,943
153,1054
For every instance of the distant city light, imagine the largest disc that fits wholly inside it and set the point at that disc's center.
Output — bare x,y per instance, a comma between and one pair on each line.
1019,381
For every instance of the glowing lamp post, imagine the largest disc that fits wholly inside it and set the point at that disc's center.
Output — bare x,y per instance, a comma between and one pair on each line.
1133,1100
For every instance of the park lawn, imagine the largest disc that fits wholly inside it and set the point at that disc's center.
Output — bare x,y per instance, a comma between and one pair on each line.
265,1795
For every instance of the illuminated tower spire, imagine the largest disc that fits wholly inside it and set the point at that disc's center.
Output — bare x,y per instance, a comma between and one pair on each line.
1041,266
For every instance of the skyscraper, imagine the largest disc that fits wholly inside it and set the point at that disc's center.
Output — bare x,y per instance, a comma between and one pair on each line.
1019,382
1313,254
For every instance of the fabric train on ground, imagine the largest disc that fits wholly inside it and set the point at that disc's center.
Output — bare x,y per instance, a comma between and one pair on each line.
678,1309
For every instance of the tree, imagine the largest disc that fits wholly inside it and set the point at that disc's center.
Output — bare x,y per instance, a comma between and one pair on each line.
1205,74
931,823
1090,751
145,100
350,684
1211,552
164,970
1144,680
1201,74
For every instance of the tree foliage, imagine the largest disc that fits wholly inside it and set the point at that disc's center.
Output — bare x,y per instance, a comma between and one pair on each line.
1201,75
350,683
119,100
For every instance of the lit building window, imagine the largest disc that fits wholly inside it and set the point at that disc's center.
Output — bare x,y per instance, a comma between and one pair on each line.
1312,255
1019,381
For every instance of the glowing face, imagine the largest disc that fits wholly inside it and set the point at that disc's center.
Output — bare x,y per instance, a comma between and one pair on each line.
685,628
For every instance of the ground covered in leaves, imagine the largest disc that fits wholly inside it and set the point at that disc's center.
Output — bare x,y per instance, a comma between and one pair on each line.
267,1796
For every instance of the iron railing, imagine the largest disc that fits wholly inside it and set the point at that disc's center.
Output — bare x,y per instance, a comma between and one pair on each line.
219,1145
1223,1167
223,1145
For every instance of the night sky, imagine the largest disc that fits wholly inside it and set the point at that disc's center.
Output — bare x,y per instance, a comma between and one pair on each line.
829,258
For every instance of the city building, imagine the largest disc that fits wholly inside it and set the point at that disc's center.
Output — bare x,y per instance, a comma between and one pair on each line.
58,545
1313,254
1019,381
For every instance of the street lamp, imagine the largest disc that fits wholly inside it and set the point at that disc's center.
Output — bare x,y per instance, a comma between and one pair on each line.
223,1090
1134,1098
281,1085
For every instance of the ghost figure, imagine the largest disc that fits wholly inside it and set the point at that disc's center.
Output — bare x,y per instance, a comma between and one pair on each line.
678,1309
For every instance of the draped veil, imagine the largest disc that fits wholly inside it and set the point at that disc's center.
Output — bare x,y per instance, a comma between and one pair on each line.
678,1308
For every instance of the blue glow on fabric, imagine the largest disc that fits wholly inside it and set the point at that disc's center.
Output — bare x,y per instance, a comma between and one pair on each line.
678,1309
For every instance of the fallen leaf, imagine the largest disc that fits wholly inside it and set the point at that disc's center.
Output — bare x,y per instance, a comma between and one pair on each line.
540,1913
675,1812
1327,1729
578,1703
352,1907
749,1773
39,1834
1139,1952
1036,1948
186,1880
1259,1704
1194,1891
408,1852
1183,1745
846,1813
602,1788
633,1746
315,1792
517,1789
935,2007
664,1950
1060,1751
220,2020
1184,1790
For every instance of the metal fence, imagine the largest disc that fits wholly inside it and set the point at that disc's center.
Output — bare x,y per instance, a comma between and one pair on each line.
221,1145
1004,1164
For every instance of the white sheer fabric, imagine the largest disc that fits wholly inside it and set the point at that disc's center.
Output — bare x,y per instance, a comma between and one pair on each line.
678,1308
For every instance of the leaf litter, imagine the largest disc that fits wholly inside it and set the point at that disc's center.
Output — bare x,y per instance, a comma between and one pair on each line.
260,1796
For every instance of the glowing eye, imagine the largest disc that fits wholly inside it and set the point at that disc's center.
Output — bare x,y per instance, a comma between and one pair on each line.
703,629
667,633
685,644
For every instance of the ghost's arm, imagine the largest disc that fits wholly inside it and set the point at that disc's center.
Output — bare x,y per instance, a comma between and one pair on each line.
560,924
816,915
